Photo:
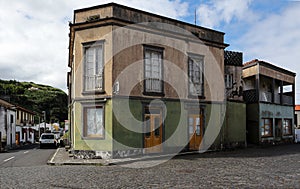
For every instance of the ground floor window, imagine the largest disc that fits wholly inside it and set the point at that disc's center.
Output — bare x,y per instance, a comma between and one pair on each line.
287,127
93,122
266,128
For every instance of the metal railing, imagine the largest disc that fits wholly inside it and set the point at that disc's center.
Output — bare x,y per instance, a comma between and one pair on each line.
251,96
265,97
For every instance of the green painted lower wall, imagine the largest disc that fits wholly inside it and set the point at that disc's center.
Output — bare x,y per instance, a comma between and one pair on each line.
128,126
274,112
235,123
256,112
92,144
124,125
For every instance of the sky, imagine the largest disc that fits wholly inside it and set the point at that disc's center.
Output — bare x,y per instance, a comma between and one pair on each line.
34,33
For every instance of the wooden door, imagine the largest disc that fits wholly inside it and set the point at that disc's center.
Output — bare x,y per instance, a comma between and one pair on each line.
153,133
195,131
17,138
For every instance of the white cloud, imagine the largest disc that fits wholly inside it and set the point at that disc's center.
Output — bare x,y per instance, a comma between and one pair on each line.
34,35
216,12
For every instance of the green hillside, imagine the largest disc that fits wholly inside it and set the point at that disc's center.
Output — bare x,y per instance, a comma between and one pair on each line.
37,98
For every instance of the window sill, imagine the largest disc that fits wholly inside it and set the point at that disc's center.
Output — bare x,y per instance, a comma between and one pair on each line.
153,94
196,97
93,138
266,137
93,92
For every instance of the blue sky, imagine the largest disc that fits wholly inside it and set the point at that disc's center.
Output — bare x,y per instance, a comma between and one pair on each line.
34,34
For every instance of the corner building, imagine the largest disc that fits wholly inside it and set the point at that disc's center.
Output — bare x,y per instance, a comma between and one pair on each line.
141,84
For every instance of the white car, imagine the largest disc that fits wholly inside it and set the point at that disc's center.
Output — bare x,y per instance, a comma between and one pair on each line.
48,139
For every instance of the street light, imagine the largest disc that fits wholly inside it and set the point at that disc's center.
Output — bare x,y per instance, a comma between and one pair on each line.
44,112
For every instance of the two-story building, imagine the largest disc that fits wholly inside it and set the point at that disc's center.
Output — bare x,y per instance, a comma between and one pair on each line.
269,92
24,124
141,83
234,129
7,125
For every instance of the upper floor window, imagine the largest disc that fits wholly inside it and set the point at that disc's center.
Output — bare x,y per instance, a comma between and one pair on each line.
93,66
228,81
153,70
196,75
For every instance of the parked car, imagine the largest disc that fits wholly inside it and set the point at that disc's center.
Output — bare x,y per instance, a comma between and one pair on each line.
48,140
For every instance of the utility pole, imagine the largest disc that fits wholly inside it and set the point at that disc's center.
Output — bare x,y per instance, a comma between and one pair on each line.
39,126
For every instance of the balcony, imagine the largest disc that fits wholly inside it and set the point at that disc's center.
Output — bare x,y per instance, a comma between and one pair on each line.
250,96
265,97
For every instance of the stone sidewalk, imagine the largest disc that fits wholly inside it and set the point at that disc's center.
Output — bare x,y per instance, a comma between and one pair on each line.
63,157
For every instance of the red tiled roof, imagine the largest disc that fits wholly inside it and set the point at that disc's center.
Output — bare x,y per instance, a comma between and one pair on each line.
250,62
297,107
6,104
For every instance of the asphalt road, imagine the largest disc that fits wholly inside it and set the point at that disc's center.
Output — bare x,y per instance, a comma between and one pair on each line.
27,156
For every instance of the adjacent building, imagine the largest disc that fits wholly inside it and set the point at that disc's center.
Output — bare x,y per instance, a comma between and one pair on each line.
7,125
235,120
141,83
269,92
24,125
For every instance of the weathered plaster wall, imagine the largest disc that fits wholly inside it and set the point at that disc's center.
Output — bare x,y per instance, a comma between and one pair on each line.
235,128
104,12
90,35
128,64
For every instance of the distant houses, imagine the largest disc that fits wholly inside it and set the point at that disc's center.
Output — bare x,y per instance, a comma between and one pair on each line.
7,125
17,126
24,124
144,84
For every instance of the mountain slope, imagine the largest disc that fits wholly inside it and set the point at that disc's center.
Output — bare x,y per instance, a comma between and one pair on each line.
37,98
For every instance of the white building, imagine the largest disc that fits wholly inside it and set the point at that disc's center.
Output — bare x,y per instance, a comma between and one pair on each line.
7,125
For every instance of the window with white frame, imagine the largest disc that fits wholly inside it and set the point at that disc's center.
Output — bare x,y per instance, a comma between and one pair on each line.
196,75
153,68
94,122
287,127
228,81
93,66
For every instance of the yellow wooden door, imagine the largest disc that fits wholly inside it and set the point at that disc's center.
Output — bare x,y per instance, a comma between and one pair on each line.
153,133
195,131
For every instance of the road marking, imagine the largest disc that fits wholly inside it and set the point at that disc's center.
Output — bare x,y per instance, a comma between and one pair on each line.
54,155
26,152
9,159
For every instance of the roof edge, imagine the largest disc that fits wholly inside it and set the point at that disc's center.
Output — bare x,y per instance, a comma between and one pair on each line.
267,64
145,12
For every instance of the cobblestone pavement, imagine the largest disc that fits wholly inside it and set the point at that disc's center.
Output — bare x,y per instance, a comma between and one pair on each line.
269,167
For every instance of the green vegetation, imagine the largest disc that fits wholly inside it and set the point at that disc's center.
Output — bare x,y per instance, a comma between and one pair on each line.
37,98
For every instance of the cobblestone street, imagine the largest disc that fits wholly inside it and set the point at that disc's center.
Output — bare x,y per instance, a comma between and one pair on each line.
268,167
